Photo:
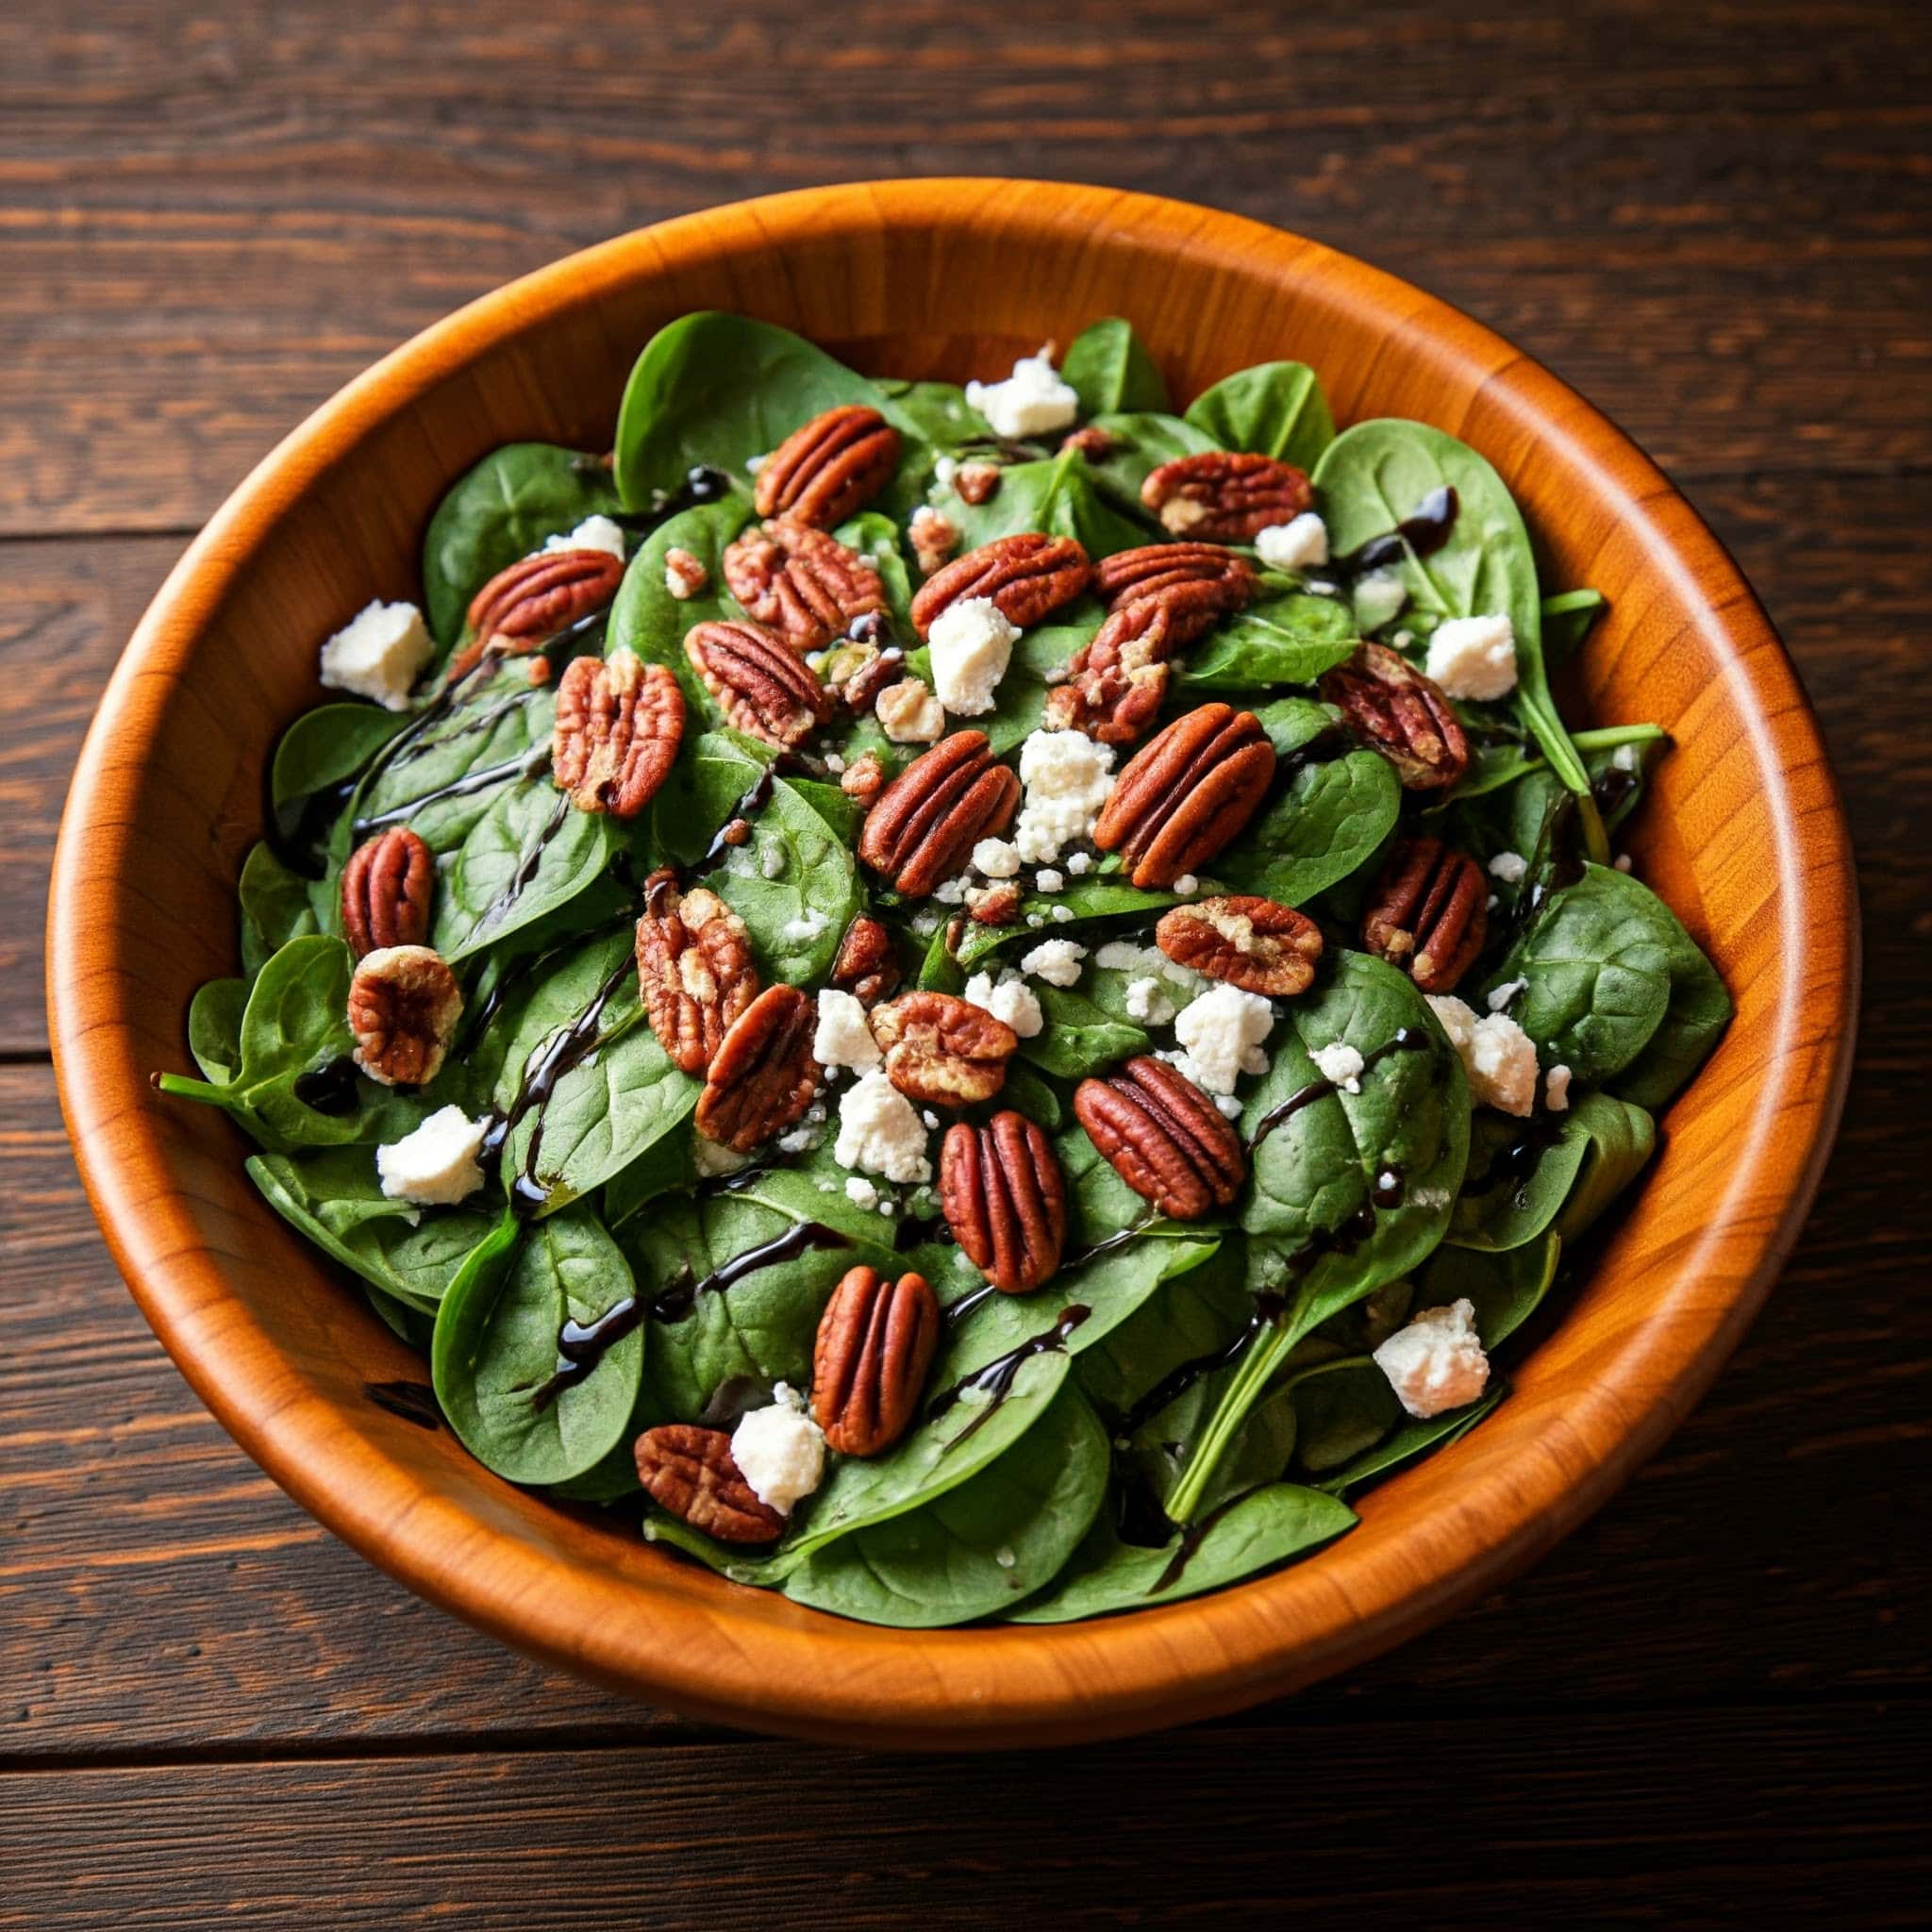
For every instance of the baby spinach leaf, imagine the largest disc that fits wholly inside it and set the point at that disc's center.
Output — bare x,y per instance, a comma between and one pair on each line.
1519,1173
1078,1038
978,1548
1095,897
494,1357
1032,1096
1342,1408
1139,443
319,757
1286,640
214,1029
1568,619
1504,1289
647,619
1274,409
1413,1438
276,908
1248,1535
937,412
1620,1137
1056,494
668,1165
1111,370
501,509
1693,1022
1495,767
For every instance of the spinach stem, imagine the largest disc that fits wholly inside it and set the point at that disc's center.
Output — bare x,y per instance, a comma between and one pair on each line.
183,1087
1251,1379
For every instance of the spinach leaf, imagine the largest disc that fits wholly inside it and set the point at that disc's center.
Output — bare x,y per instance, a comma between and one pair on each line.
500,510
494,1359
1056,494
1286,640
937,412
1568,619
1109,369
214,1029
1139,442
978,1548
316,764
1693,1022
1504,1289
1251,1532
1096,897
1080,1038
1413,1438
276,908
647,619
1274,409
1342,1408
1519,1173
1619,1140
1495,767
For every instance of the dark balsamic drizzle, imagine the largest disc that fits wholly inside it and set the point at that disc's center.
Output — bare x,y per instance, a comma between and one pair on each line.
755,800
997,1376
1110,1242
702,484
1192,1538
581,1345
415,1402
957,1311
1404,1039
526,764
485,1012
518,881
1420,535
1514,1164
914,1228
681,1295
330,1088
297,834
1179,1379
487,716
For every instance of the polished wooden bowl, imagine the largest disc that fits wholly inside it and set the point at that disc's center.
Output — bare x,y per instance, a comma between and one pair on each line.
1744,838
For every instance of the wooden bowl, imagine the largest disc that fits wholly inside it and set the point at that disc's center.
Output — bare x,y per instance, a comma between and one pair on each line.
1744,839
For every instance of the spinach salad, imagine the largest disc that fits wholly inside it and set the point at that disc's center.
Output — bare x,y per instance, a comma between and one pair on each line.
964,1003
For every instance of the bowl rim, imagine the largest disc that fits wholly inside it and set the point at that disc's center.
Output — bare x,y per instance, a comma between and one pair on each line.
986,1687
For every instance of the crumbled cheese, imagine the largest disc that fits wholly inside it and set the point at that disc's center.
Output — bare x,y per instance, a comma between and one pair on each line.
1186,884
1069,779
1079,863
1123,956
1229,1107
435,1166
952,891
379,654
801,1139
1030,402
1056,962
594,533
1341,1063
754,464
1556,1089
908,712
1622,862
945,469
1498,1055
861,1192
879,1131
805,929
996,858
1008,998
780,1451
1473,658
1223,1032
844,1039
1626,758
1500,996
971,643
1377,598
1509,867
1293,545
1147,1001
1047,880
714,1158
1005,1557
834,763
1062,915
1437,1362
772,859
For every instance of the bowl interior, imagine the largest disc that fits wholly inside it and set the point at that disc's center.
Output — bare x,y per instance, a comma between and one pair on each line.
1743,837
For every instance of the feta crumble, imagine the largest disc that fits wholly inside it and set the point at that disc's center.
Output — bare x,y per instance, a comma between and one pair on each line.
1498,1055
1473,658
1223,1032
843,1037
1069,779
1296,544
879,1130
1627,758
1029,402
435,1166
1509,867
1047,880
379,654
908,713
1056,962
1187,884
1556,1089
1500,996
1147,1001
996,859
594,533
971,643
805,929
1341,1063
1008,998
861,1192
780,1451
1079,863
1437,1362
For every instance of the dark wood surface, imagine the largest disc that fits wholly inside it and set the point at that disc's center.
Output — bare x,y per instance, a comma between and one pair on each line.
1711,1705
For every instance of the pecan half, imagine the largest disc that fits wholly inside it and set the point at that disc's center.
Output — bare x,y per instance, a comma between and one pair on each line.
689,1471
761,685
386,890
1251,943
1402,715
762,1076
808,586
1227,497
1164,1137
866,967
943,1051
933,537
977,483
1215,580
1428,912
1187,792
1095,444
930,817
1116,685
875,1342
685,574
864,778
619,724
996,905
1005,1200
1027,575
535,598
832,466
404,1005
694,970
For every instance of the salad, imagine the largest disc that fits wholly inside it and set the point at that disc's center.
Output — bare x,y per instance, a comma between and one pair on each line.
965,1003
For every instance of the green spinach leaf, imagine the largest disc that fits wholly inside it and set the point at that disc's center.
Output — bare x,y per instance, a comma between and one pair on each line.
1111,370
1274,409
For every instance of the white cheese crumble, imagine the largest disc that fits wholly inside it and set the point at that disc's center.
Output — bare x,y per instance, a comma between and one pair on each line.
1056,962
1123,956
1187,884
772,859
1079,863
594,533
861,1192
879,1130
1437,1362
908,713
780,1451
714,1157
435,1166
684,576
1500,996
379,654
1473,658
1047,880
1341,1063
1008,998
1626,758
1228,1107
972,644
1223,1032
1377,598
996,858
844,1038
1622,862
1147,1001
805,929
1029,402
1556,1089
1509,867
1498,1055
1296,544
952,891
1069,779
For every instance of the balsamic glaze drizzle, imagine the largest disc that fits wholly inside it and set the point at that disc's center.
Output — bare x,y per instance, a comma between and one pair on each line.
681,1295
525,765
581,1345
1192,1538
998,1375
330,1088
1421,535
1515,1163
1404,1039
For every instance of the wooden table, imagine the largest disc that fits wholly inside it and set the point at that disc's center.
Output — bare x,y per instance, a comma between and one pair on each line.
1711,1704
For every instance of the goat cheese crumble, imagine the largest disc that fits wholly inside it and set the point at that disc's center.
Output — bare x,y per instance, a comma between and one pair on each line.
1147,1001
594,533
1437,1362
1223,1032
1498,1055
1341,1063
1031,401
1509,867
379,654
780,1451
1056,962
1556,1089
1473,658
435,1166
879,1130
996,859
1008,998
843,1037
1293,545
1069,778
971,645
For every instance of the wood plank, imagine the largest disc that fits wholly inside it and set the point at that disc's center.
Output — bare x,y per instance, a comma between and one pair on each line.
1730,255
1747,1817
